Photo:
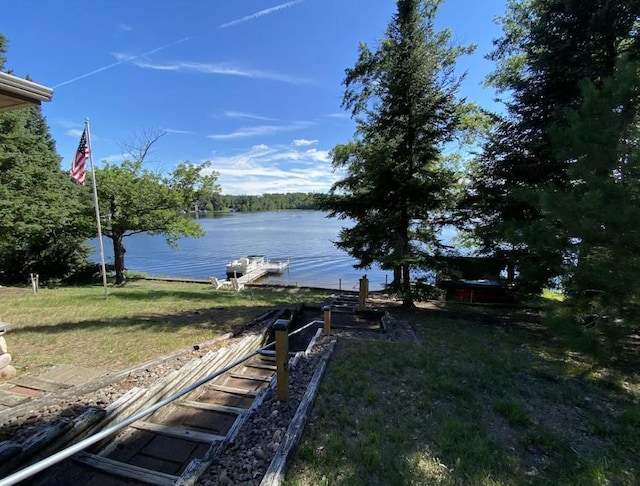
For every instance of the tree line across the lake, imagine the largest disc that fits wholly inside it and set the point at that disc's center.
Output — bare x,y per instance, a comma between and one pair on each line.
264,202
551,182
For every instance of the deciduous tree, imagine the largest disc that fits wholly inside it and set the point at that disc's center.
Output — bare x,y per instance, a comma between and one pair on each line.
137,200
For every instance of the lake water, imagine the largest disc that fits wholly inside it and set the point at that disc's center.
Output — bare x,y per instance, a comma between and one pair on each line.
305,238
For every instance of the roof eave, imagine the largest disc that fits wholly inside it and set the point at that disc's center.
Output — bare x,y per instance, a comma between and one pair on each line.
17,93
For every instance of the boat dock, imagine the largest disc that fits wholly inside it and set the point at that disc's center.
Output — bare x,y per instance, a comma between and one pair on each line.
238,283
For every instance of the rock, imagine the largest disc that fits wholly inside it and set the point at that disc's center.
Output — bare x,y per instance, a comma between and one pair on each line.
7,373
273,446
278,435
5,359
223,479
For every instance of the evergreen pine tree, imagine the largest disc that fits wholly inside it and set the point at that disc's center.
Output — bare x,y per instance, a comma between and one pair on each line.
397,188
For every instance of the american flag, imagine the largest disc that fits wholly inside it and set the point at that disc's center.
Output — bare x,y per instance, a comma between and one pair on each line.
78,167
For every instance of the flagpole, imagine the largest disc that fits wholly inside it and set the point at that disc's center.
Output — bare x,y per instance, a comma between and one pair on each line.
95,203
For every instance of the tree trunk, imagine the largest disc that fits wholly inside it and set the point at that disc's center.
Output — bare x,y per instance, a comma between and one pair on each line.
397,278
407,298
118,259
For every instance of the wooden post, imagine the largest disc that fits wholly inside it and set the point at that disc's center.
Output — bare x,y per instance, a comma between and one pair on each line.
364,292
327,320
281,327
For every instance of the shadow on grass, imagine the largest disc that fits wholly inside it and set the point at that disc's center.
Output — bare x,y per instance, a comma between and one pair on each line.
213,318
278,296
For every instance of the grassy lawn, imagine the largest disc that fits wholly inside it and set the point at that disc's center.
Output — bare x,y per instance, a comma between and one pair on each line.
481,400
487,397
138,322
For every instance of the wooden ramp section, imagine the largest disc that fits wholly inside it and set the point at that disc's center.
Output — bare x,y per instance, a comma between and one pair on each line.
176,443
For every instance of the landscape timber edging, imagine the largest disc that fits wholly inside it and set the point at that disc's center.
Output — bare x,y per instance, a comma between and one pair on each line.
280,462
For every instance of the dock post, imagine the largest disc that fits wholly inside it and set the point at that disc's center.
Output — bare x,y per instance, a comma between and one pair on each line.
281,328
327,320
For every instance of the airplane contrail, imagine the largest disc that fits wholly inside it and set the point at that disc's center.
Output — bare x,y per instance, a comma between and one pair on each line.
260,14
112,65
256,15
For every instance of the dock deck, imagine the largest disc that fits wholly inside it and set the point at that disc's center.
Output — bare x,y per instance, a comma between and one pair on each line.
269,268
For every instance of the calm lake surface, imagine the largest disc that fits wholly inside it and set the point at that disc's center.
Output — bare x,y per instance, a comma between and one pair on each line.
305,238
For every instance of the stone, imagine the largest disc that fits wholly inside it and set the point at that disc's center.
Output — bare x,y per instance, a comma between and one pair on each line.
278,435
5,359
7,373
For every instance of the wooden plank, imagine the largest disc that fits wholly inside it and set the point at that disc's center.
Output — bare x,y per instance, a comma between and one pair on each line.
178,433
213,407
9,399
237,425
192,473
240,376
39,383
126,470
197,467
235,391
71,375
262,366
88,419
45,436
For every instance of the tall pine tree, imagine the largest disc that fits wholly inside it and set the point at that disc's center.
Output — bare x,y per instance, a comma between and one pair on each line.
397,187
548,49
600,215
41,227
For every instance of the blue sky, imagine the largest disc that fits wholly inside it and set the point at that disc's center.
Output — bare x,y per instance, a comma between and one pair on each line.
254,86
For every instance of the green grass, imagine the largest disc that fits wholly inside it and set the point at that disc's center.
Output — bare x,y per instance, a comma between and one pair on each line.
136,323
477,402
553,295
512,411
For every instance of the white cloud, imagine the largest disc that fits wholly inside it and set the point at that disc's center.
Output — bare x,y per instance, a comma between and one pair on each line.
302,142
75,132
181,132
251,116
339,115
221,68
260,130
124,27
278,168
261,13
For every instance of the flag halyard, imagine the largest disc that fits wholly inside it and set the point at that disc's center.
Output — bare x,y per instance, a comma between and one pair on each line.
78,166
